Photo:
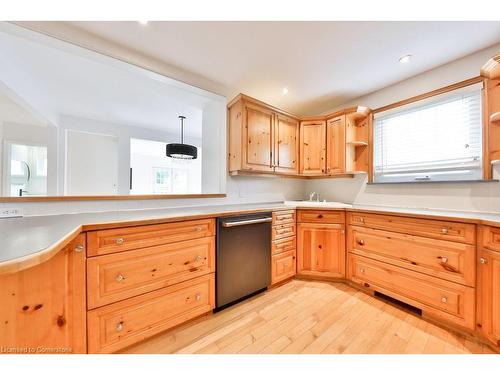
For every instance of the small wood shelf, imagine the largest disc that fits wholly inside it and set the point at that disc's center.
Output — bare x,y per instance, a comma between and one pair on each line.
495,117
357,143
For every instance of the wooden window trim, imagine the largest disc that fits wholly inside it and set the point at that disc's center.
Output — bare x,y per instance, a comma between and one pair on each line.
442,90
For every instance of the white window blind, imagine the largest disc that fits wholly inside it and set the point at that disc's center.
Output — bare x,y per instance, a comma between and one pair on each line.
435,139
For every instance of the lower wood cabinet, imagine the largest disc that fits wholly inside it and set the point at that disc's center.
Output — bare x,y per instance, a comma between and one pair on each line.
440,299
489,294
283,266
321,250
115,326
113,277
42,308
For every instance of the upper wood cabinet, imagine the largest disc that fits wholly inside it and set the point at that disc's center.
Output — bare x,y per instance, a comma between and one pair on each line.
264,139
312,147
286,144
261,139
491,110
335,145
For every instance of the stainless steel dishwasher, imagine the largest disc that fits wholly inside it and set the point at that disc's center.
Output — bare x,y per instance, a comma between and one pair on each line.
243,257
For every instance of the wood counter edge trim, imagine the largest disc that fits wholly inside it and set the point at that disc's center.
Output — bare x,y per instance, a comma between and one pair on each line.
31,260
108,197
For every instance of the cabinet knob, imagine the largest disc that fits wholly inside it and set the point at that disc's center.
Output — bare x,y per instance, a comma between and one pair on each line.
361,242
198,258
199,228
119,277
444,299
444,260
79,248
444,230
482,260
119,327
320,216
362,270
198,296
120,240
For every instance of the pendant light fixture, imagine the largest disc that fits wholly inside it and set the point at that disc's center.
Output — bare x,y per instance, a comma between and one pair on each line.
181,150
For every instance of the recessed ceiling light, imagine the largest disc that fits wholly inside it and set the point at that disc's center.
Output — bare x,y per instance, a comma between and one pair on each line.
404,59
143,22
285,90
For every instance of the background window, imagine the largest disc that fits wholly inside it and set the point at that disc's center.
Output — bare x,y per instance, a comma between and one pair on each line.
436,139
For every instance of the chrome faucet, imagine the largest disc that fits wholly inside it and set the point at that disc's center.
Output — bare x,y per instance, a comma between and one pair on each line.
311,196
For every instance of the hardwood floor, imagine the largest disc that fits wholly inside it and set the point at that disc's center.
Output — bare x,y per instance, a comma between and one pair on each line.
310,317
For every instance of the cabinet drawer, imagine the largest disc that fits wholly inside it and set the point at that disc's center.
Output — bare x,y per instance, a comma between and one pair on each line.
283,217
490,237
320,216
283,266
452,261
121,324
114,277
282,231
444,230
116,240
284,244
443,299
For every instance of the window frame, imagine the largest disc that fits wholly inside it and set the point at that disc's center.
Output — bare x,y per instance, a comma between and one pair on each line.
486,168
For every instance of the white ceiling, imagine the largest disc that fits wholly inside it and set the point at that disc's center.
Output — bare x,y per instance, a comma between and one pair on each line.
57,79
323,64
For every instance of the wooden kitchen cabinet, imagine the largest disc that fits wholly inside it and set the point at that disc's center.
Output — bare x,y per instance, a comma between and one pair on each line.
43,308
321,250
312,147
335,134
262,139
489,294
286,144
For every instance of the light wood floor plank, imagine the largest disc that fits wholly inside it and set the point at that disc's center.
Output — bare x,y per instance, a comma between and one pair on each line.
310,317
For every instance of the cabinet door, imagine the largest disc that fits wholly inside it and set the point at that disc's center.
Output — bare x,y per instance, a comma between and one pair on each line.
286,144
312,147
489,294
335,135
258,138
43,308
321,249
282,266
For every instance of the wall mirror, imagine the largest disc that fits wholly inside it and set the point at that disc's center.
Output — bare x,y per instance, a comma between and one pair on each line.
74,122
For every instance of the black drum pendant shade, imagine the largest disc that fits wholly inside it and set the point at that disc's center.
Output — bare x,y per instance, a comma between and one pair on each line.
181,150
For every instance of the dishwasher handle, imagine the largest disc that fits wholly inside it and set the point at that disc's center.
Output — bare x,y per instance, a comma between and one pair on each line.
229,224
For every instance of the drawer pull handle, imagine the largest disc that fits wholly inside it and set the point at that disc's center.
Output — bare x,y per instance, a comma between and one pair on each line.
119,327
482,261
361,220
444,230
198,297
320,216
198,258
119,278
199,229
362,270
361,242
120,240
79,248
444,299
444,260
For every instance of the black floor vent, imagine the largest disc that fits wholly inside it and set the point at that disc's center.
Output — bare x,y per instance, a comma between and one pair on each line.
398,303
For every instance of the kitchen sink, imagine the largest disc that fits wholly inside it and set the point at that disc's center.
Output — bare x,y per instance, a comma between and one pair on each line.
317,204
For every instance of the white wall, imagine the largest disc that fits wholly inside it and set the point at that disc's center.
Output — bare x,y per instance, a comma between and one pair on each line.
454,196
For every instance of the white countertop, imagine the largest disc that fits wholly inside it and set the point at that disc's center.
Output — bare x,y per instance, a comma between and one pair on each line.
22,237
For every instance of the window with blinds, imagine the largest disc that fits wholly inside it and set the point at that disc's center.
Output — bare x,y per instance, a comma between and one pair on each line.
435,139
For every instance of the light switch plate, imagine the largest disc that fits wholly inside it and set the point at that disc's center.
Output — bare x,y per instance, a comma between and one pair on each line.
6,213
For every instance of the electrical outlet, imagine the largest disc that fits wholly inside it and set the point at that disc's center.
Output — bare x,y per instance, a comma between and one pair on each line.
10,212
